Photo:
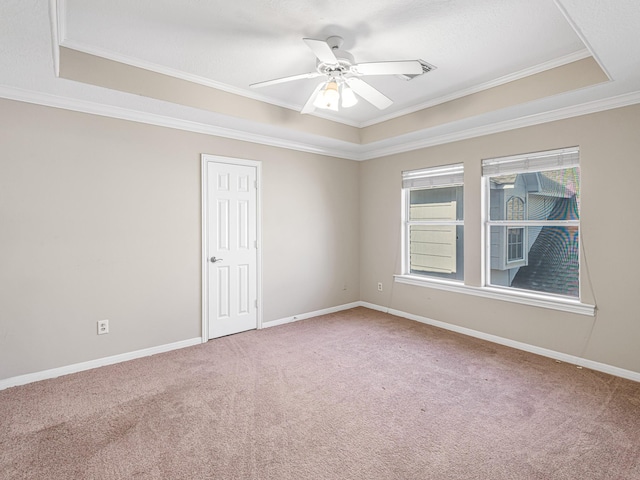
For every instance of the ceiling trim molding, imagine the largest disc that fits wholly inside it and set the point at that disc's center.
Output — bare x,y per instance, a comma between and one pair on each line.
189,77
543,67
83,106
54,21
164,70
58,14
581,36
62,40
596,106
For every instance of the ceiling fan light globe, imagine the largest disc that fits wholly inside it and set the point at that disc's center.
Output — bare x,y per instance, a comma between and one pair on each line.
333,106
332,99
319,100
328,98
348,97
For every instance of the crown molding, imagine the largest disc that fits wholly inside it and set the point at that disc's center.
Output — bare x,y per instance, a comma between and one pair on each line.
526,121
557,62
83,106
163,70
582,37
54,23
172,72
60,38
361,153
57,13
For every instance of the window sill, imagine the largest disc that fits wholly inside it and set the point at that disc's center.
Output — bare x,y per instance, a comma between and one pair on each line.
532,299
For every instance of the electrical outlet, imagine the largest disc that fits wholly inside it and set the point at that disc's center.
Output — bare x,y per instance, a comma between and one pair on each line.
379,286
103,327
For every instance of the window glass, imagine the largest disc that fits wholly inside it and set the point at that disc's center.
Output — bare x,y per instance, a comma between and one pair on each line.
549,195
515,247
435,232
533,230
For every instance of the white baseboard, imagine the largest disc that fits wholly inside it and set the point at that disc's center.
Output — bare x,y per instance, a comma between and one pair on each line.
563,357
79,367
317,313
100,362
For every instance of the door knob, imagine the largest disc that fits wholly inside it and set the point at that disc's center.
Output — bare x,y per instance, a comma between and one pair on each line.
214,259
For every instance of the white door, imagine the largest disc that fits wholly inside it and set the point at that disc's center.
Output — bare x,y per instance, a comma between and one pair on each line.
231,253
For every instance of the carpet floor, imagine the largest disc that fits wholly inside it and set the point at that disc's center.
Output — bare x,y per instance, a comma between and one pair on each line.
357,394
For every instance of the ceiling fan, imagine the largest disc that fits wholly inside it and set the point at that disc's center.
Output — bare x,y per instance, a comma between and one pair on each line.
342,77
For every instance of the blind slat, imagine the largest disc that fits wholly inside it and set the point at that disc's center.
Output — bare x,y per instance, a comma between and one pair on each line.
533,162
434,177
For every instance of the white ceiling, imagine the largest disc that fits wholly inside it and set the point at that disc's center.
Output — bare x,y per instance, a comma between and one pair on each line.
474,45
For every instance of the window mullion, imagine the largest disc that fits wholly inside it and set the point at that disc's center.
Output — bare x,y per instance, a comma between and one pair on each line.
436,222
533,223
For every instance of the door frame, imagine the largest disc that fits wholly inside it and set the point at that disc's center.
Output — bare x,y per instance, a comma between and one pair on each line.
205,160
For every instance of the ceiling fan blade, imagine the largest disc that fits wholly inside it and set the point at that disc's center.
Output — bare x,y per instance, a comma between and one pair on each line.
309,106
369,93
322,50
285,79
407,67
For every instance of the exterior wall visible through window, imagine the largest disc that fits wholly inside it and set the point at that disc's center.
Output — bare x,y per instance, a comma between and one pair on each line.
433,222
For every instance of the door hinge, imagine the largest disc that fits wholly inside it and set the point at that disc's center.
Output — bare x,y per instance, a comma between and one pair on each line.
255,244
255,184
255,302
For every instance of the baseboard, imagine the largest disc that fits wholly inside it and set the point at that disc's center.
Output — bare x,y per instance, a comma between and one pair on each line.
317,313
100,362
563,357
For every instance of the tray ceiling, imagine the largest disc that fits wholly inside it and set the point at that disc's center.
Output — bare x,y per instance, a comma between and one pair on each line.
233,44
482,51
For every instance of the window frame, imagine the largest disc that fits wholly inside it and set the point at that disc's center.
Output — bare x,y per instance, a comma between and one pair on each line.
428,178
468,286
564,159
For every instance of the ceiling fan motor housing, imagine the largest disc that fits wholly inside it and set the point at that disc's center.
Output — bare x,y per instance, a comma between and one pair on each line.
345,59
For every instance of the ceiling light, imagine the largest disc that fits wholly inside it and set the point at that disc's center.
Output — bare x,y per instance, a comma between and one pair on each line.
328,97
348,97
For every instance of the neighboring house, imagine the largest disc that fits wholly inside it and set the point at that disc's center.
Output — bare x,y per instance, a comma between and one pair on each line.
541,258
437,249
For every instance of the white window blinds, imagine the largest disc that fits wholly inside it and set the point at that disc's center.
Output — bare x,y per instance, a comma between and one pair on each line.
434,177
532,162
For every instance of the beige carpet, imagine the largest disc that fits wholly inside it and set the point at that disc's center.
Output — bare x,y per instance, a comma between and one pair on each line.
353,395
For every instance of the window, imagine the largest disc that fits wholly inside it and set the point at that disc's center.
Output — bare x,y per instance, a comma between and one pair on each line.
433,222
533,222
515,211
515,250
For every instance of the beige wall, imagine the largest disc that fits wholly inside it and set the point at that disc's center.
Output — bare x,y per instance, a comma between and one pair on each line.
100,219
609,145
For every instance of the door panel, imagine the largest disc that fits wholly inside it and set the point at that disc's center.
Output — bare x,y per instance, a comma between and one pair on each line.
232,249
